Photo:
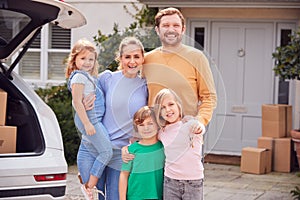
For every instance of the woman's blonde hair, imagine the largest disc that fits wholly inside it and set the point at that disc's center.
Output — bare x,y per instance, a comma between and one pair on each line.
124,43
81,46
159,98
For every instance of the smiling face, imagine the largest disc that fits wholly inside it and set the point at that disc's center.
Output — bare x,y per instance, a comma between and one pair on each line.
131,60
170,30
85,60
148,129
169,109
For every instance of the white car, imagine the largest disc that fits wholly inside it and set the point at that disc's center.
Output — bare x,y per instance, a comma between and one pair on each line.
37,169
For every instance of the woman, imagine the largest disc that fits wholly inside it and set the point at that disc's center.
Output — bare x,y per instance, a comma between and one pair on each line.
125,93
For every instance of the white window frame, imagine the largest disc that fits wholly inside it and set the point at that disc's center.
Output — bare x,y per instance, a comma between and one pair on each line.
280,26
199,24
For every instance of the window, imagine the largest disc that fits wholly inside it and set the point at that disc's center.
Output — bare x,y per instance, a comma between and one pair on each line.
59,48
44,60
11,23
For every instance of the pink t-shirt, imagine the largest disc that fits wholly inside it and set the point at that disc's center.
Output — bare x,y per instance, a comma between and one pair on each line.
183,151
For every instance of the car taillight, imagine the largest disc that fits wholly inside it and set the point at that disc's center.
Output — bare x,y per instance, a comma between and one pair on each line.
50,177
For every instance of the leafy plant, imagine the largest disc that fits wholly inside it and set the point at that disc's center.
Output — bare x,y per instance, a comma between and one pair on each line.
142,28
287,59
296,193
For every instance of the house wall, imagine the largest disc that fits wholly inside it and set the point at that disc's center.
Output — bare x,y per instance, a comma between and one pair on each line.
243,13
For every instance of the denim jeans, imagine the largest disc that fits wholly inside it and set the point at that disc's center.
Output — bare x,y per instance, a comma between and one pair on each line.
183,189
109,180
98,144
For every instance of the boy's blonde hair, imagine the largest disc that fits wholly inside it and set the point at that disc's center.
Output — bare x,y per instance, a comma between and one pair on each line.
141,115
124,43
160,96
81,46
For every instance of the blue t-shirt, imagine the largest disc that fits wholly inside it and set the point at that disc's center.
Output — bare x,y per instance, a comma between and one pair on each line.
123,97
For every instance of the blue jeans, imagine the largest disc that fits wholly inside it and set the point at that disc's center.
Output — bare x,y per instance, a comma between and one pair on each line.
183,189
109,180
98,144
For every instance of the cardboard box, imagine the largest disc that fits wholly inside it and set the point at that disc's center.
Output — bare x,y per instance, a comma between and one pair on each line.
8,138
256,160
3,103
267,143
282,155
281,149
276,120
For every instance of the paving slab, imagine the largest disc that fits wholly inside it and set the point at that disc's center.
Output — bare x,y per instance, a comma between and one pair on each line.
224,182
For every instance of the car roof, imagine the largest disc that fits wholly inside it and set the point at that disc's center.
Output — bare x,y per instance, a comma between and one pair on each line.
37,13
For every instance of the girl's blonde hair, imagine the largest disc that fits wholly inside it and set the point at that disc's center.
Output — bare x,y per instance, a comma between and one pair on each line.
141,115
124,43
159,98
81,46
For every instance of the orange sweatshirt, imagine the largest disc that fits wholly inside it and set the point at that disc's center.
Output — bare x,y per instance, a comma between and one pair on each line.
187,72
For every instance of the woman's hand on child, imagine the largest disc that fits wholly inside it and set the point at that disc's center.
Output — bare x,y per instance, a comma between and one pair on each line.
88,101
126,156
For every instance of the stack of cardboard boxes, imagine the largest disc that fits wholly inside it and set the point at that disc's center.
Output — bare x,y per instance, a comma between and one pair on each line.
274,147
8,134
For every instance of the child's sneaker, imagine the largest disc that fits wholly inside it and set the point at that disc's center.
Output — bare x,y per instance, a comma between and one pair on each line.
96,193
87,193
80,179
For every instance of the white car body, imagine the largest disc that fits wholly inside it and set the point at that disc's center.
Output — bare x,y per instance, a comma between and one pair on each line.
40,153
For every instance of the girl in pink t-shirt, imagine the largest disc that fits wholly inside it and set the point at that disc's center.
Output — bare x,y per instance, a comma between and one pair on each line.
182,139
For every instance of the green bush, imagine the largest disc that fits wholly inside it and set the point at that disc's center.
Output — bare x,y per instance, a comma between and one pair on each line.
287,59
59,99
142,28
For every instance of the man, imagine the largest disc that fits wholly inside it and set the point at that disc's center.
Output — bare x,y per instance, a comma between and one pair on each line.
182,68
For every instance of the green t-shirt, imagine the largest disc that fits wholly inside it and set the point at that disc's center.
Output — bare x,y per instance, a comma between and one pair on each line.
146,171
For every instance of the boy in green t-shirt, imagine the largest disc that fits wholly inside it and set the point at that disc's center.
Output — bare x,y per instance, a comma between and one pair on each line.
142,178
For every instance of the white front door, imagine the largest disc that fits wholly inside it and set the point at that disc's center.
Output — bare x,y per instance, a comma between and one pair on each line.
242,53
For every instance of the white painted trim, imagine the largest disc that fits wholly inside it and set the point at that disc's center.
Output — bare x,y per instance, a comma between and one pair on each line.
294,100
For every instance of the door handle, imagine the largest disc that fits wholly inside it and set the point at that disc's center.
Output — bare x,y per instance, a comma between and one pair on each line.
241,52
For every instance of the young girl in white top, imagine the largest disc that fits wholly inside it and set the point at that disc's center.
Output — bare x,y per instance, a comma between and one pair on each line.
183,176
81,71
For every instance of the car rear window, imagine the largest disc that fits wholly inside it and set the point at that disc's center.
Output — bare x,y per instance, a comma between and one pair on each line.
11,23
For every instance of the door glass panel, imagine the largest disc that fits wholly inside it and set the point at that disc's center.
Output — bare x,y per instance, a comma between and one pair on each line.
283,86
199,37
284,36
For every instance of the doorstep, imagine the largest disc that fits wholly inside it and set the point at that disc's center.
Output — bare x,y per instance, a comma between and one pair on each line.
222,159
